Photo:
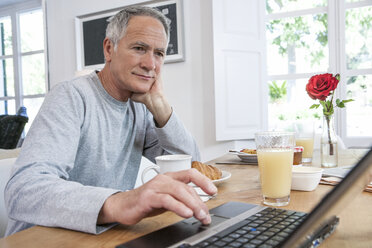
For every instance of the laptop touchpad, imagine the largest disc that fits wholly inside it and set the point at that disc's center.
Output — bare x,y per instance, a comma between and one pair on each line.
231,209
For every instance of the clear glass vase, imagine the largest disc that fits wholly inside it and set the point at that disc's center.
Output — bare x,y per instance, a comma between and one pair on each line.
328,146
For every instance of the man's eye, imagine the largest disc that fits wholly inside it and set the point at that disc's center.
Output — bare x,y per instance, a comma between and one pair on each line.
160,54
139,48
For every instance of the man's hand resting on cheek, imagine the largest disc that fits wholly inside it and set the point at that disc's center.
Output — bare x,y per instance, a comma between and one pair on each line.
156,102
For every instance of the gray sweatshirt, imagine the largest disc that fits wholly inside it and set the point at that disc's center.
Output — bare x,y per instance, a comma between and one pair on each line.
82,147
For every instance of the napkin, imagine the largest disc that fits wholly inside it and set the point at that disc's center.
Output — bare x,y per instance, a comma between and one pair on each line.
335,180
333,176
203,196
337,171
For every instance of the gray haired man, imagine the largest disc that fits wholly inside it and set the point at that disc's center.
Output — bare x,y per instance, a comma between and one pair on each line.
80,159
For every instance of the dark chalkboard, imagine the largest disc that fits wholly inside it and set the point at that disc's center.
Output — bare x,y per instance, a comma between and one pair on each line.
170,11
94,32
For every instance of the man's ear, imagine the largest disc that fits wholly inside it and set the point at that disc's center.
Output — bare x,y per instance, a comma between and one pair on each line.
108,49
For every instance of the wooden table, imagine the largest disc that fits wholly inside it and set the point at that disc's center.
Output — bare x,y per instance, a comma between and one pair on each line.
354,230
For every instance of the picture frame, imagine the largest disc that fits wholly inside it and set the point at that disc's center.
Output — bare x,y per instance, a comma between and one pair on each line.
173,10
91,30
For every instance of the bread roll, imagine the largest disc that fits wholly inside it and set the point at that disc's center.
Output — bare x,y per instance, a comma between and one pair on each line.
249,151
210,171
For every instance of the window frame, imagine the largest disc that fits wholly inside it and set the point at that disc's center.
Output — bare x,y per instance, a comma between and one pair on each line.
14,12
340,62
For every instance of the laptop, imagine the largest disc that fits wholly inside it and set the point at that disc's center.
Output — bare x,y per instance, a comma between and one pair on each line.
237,224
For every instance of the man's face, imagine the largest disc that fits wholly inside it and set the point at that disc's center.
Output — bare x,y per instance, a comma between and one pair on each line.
138,59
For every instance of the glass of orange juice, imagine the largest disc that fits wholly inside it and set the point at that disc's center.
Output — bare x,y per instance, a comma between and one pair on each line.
305,138
275,160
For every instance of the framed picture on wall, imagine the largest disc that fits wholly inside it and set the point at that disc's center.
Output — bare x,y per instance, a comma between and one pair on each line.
91,31
172,9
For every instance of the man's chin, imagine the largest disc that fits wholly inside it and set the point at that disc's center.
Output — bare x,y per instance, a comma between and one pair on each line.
140,91
143,89
142,86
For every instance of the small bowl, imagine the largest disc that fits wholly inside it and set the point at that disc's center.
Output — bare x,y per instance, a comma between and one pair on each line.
306,178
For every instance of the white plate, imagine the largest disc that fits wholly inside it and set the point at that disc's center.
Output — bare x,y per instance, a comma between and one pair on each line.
225,176
248,157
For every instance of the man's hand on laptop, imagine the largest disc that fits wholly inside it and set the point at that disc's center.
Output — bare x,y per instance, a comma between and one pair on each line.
169,191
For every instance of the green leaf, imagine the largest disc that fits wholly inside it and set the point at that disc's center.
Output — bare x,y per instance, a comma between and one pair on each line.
328,112
341,105
314,106
317,116
338,77
329,104
276,91
348,100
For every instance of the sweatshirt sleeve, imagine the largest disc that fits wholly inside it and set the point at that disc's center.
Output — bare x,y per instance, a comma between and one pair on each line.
173,138
39,191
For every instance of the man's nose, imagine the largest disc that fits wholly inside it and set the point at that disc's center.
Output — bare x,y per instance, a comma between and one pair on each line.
148,61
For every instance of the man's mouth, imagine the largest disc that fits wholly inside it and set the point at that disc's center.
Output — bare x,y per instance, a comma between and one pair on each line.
144,76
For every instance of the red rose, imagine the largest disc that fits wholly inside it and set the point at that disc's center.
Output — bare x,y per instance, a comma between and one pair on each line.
319,86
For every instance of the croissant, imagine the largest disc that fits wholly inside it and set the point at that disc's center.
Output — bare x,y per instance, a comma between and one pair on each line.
210,171
249,151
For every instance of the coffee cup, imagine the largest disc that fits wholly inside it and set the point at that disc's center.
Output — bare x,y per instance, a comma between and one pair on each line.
169,163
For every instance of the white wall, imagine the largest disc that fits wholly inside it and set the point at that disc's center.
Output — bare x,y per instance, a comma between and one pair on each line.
189,85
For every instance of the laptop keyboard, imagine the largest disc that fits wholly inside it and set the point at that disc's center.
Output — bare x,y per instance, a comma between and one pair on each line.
267,228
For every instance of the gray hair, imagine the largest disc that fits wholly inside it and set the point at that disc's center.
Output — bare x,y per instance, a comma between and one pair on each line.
118,23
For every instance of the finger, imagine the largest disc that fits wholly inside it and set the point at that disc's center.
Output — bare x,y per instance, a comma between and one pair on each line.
194,176
184,194
168,202
201,214
153,198
188,196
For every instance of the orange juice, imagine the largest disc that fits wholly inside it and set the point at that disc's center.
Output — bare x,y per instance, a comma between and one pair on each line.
275,167
308,144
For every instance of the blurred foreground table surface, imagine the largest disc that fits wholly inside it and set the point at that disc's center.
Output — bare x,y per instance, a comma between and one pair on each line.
354,229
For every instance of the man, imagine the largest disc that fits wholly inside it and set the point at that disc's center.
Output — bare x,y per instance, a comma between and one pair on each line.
80,159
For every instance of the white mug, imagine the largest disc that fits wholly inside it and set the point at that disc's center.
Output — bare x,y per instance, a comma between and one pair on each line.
169,163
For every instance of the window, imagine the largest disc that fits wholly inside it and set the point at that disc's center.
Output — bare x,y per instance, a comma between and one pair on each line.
22,61
312,37
358,60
